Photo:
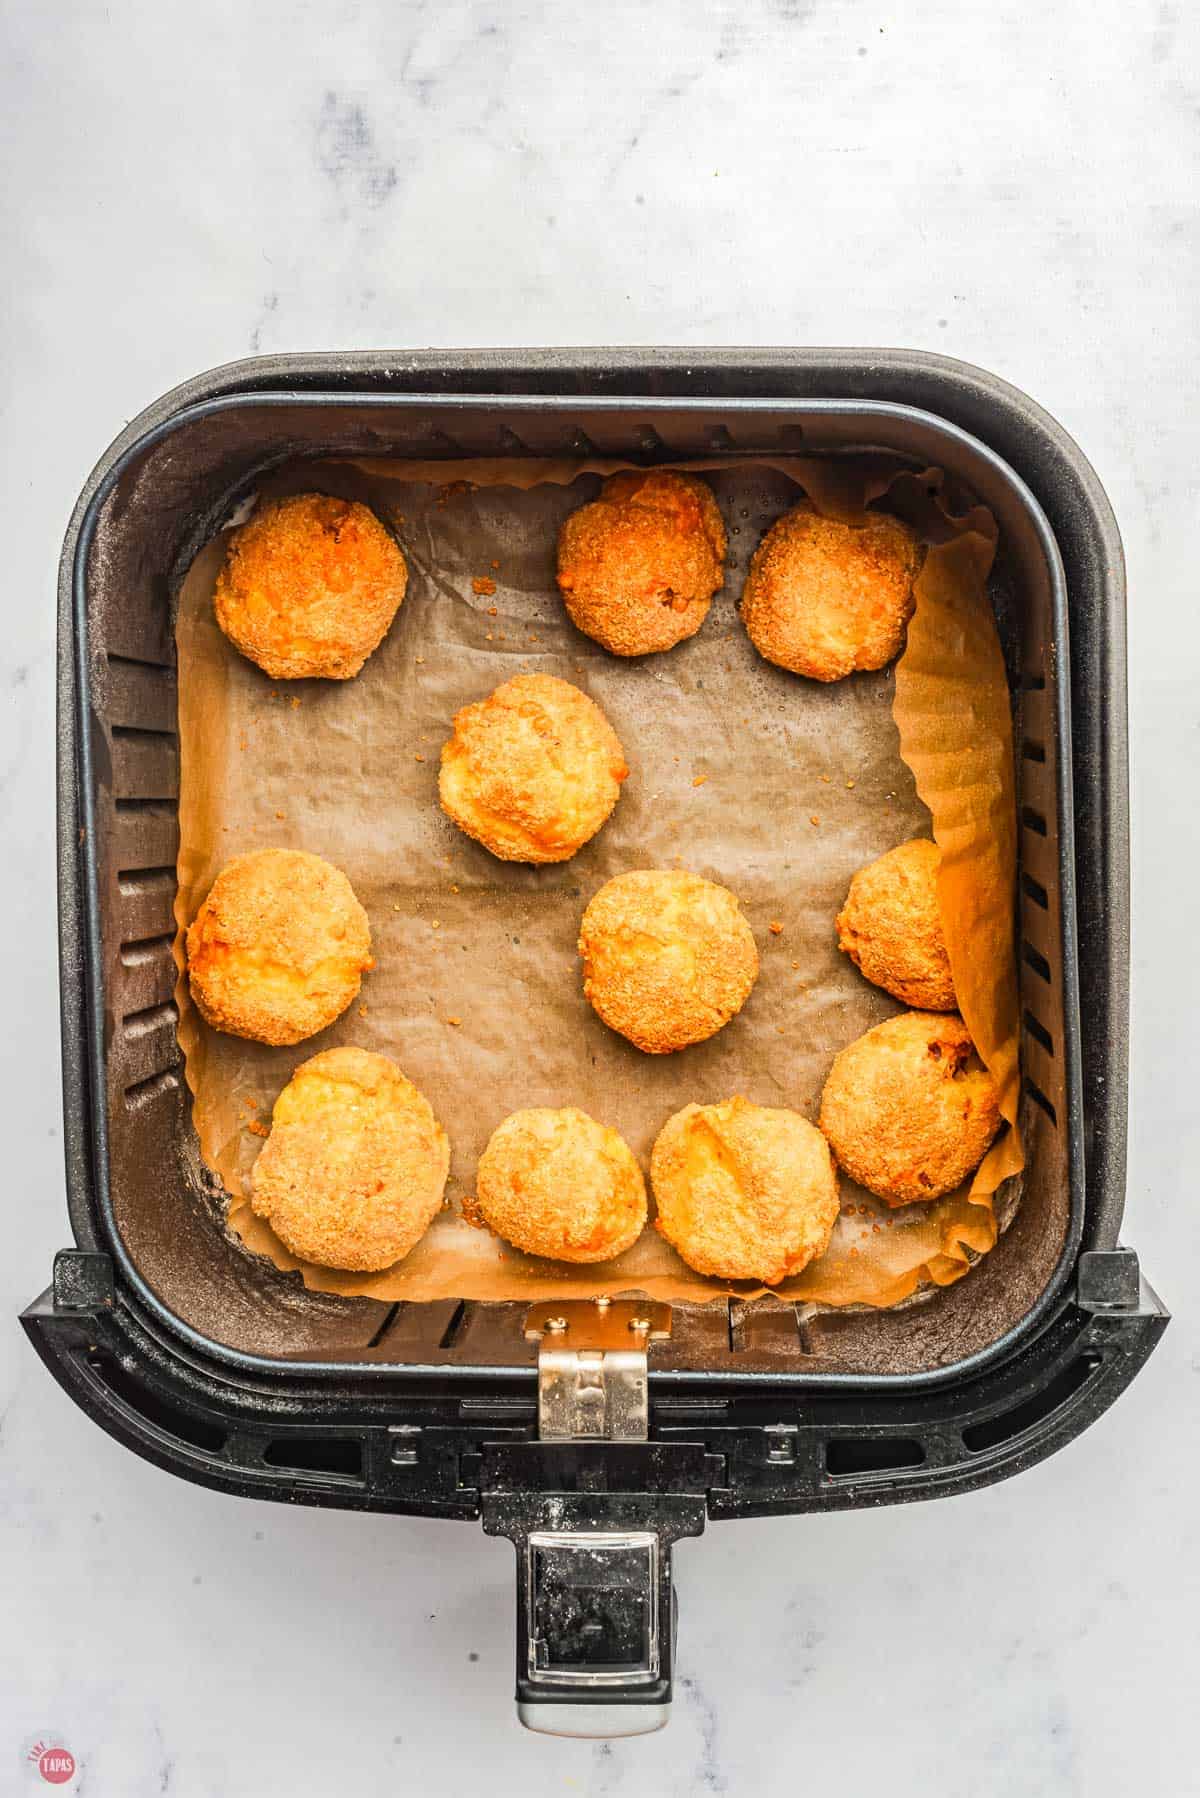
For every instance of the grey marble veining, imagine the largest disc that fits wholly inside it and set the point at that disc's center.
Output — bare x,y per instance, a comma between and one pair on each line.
1012,185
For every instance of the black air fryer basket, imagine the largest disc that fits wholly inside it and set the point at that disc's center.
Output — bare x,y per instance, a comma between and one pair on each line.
593,1436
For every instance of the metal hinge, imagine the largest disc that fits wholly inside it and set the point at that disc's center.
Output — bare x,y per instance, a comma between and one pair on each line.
592,1374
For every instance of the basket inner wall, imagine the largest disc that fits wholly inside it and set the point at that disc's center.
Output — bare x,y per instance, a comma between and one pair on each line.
164,1204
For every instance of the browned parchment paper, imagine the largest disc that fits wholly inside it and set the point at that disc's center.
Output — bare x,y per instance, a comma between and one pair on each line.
780,788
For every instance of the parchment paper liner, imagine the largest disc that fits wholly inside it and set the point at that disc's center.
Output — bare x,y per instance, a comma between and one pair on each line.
776,786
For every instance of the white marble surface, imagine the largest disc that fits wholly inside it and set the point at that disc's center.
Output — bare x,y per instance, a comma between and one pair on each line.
188,184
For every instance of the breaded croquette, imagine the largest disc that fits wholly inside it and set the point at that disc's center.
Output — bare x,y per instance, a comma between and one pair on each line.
278,949
310,586
638,566
744,1192
909,1109
891,926
824,598
533,770
558,1184
353,1172
668,958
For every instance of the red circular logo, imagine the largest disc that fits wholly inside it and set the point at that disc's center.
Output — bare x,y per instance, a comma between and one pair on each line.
56,1765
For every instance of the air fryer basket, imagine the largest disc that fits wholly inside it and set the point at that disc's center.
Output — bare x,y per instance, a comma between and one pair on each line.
216,1365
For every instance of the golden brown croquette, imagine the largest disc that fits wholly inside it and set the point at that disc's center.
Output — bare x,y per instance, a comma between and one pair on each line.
638,566
909,1109
310,586
354,1169
557,1183
744,1192
533,770
825,598
668,958
891,926
278,949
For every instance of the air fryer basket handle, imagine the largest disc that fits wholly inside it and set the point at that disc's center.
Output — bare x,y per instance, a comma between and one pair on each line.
596,1606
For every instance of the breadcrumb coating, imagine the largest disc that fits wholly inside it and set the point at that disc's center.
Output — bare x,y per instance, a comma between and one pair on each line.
353,1172
533,770
278,949
668,958
824,598
557,1183
310,586
891,927
744,1192
638,566
909,1109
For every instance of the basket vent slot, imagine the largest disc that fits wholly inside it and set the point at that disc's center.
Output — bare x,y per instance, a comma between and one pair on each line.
847,1457
133,882
454,1327
979,1437
140,733
1033,752
161,805
154,1017
1033,958
170,1419
1033,820
1039,1098
389,1318
144,1092
1039,1032
338,1457
128,661
1034,890
147,948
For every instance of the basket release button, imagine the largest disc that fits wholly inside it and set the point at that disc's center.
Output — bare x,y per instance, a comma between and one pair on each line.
593,1607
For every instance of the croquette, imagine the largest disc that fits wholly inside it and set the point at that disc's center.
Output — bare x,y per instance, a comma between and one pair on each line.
638,566
744,1192
824,598
909,1109
533,770
891,926
310,586
557,1183
353,1172
278,949
668,958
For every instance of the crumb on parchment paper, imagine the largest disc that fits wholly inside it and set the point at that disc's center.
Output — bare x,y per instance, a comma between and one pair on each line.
483,583
776,928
